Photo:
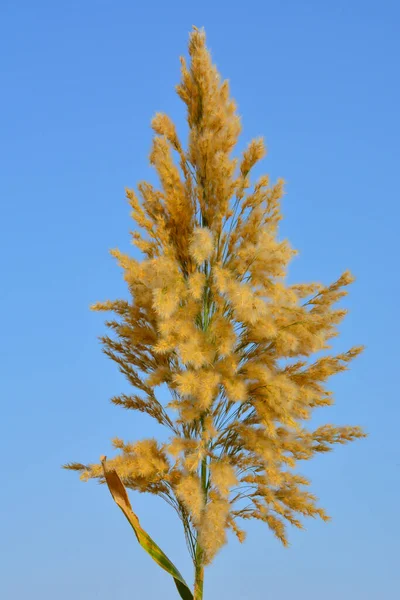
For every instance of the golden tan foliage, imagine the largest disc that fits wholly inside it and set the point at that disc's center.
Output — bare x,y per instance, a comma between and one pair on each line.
211,316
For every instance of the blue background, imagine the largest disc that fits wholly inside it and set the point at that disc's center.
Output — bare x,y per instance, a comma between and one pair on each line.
80,82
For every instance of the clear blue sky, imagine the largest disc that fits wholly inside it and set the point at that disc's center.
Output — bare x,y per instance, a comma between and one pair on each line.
80,82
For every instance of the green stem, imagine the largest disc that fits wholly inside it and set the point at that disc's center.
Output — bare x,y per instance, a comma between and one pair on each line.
199,552
199,562
199,577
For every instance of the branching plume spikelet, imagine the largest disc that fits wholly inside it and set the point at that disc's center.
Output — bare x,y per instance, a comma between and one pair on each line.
211,316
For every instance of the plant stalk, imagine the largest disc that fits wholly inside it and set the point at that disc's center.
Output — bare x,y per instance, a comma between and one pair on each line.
199,575
199,558
199,553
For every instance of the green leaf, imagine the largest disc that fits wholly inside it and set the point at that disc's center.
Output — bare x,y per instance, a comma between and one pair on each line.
120,496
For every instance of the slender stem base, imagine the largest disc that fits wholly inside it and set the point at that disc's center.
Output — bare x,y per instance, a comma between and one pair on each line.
198,583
